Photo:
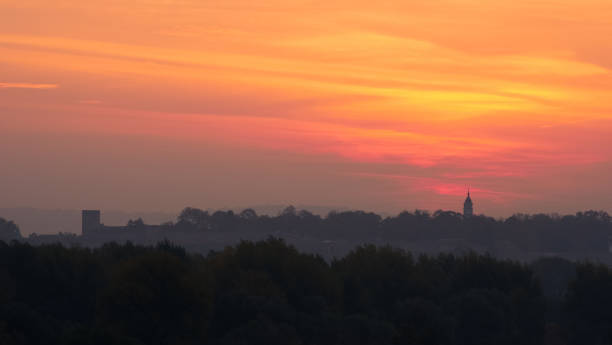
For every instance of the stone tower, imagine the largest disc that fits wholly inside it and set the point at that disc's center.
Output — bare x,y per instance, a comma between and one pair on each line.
90,221
468,206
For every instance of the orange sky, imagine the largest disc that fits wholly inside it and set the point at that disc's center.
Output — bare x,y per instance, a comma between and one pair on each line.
381,105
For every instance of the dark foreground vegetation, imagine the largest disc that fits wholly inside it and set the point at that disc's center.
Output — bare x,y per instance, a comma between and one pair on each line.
269,293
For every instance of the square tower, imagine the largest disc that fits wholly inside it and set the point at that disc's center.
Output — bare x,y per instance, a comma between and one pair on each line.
90,221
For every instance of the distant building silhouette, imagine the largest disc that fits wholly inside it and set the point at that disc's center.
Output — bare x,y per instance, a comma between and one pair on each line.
91,225
90,221
468,206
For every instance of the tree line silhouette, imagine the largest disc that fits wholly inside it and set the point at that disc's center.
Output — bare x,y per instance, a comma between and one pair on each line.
268,292
582,232
585,233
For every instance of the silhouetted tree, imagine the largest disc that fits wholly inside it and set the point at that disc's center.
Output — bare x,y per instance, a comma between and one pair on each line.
137,224
9,230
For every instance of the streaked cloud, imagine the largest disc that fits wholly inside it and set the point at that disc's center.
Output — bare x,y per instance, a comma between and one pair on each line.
90,101
27,86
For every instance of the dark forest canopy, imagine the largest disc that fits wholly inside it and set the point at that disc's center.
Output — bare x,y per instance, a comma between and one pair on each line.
269,293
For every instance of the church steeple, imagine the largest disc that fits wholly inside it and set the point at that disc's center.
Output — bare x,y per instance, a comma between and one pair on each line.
468,206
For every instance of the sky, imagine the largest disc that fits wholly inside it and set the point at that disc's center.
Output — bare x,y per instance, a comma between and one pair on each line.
375,105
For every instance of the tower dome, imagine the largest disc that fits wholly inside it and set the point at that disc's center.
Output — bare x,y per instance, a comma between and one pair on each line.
468,206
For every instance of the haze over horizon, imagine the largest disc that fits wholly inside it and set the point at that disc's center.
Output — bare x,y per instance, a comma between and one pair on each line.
157,105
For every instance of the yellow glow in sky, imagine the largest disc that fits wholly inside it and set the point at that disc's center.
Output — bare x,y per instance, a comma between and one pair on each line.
407,102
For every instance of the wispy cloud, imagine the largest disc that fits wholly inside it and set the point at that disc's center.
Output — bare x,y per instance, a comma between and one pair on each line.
90,101
27,86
